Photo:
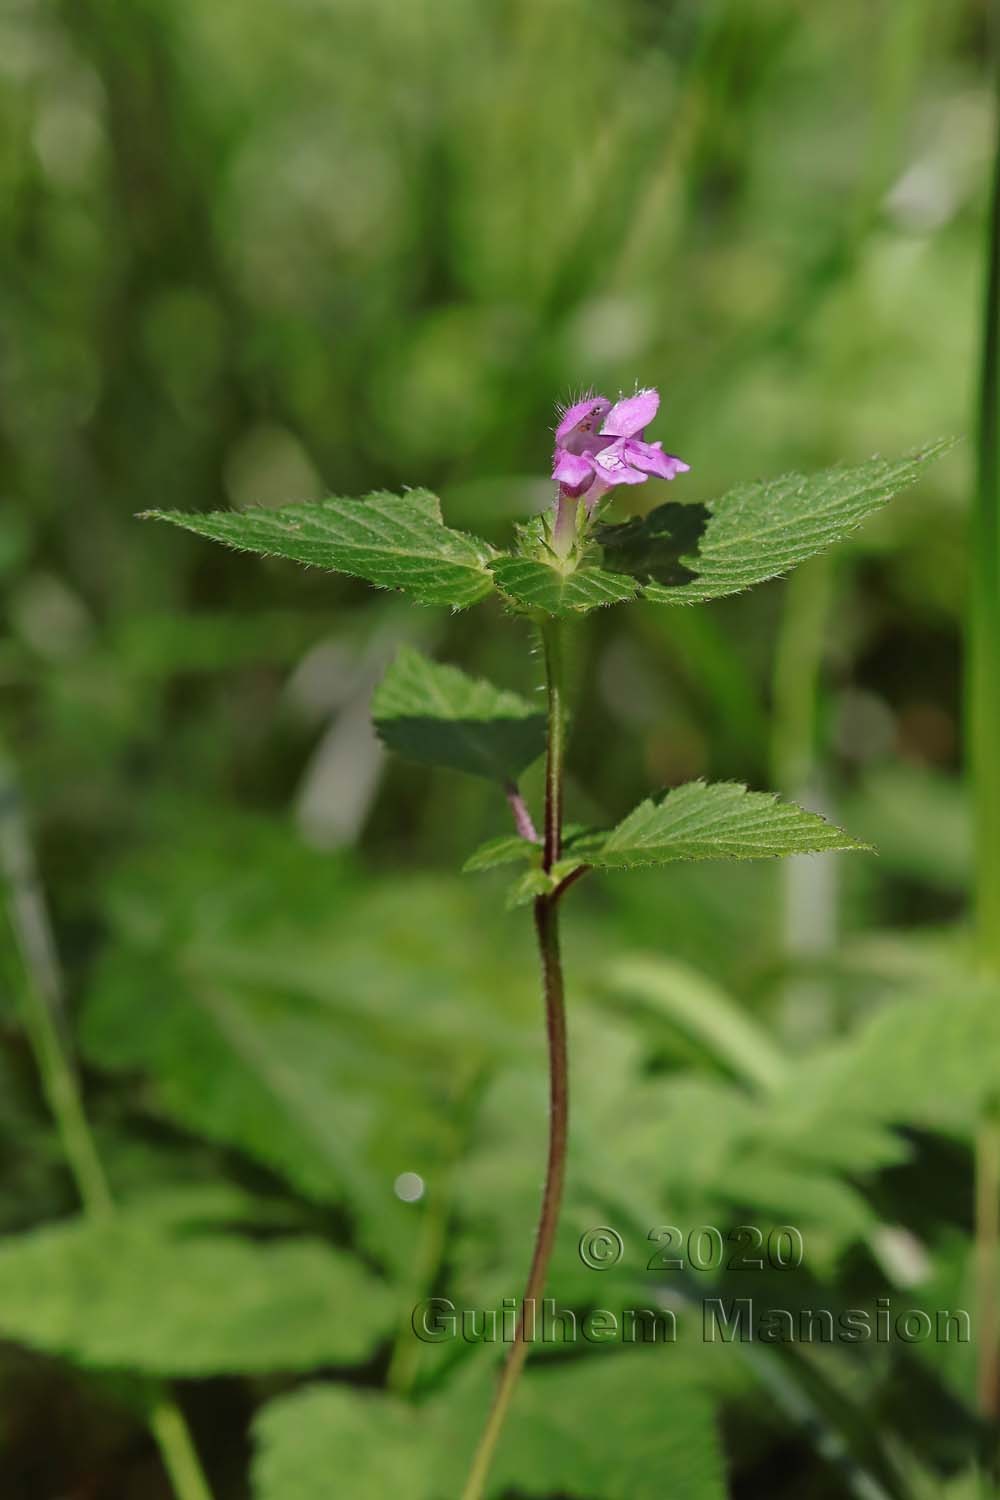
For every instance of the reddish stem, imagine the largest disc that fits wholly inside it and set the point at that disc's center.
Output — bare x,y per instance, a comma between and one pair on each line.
522,817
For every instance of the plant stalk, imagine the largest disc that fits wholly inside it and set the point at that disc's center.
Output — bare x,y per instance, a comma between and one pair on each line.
43,989
983,730
546,912
177,1450
62,1093
555,691
983,679
522,817
987,1244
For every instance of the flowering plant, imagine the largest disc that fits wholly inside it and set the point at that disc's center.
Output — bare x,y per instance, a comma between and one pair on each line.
563,564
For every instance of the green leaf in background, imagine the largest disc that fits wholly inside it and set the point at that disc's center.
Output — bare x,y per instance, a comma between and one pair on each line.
926,1058
439,716
539,585
128,1294
727,1145
722,820
920,819
392,541
661,1441
559,1441
702,1010
326,1430
279,1028
755,532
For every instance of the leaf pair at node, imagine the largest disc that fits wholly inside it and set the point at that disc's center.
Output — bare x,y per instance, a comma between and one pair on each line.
437,715
678,554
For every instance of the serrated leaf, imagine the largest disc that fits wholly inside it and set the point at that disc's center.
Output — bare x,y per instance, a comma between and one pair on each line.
439,716
527,886
538,585
508,849
755,532
650,548
125,1294
392,541
722,820
556,1441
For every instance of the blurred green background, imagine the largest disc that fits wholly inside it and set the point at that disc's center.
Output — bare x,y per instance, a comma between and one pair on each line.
261,253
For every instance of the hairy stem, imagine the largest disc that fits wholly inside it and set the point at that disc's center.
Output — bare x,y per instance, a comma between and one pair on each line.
983,730
546,912
43,1011
552,649
523,821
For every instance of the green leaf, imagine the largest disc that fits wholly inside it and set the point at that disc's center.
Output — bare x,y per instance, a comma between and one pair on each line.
508,849
650,548
304,1438
392,541
526,887
539,585
438,716
557,1439
538,882
535,881
126,1294
661,1441
755,532
686,554
718,821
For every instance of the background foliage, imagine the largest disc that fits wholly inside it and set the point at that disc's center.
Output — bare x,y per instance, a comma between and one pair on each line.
263,253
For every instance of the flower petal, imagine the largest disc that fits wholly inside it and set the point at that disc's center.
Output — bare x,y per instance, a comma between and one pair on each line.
586,415
631,415
574,473
651,457
613,467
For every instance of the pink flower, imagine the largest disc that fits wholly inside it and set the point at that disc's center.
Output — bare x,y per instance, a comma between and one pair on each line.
599,445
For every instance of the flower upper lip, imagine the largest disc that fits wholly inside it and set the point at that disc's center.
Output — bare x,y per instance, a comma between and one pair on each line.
628,417
580,428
